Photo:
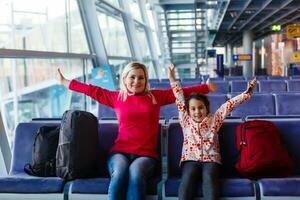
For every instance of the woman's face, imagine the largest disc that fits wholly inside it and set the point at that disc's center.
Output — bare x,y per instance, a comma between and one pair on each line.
135,81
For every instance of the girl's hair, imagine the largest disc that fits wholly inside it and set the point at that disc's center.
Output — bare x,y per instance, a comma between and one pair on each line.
200,97
131,66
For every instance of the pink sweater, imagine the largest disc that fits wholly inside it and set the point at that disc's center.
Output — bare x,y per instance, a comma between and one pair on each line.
138,117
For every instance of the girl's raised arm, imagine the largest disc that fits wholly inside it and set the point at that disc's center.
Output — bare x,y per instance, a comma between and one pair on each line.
172,73
232,103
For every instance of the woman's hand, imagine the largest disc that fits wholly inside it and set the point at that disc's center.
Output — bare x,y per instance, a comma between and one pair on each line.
172,73
61,79
251,86
211,86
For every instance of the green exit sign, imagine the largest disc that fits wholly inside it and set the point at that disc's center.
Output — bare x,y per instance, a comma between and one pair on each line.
276,27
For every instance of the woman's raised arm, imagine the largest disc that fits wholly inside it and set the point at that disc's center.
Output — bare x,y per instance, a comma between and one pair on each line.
61,78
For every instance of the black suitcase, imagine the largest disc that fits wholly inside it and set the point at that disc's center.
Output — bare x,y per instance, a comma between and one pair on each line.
78,149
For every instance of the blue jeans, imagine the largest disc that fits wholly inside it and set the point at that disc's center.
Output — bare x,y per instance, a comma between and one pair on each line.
192,172
129,174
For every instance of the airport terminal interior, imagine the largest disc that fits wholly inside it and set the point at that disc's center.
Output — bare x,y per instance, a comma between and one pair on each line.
228,42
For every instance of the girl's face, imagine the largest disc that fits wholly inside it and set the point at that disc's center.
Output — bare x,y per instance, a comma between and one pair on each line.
135,81
197,110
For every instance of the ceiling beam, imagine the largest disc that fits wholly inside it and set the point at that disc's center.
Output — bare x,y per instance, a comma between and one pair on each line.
238,16
277,19
271,14
282,23
235,36
257,12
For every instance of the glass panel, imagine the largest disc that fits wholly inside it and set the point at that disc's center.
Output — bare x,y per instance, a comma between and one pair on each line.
154,30
181,15
185,45
185,22
135,9
183,51
156,43
182,28
118,66
114,2
114,34
142,41
78,42
150,67
38,94
42,25
5,77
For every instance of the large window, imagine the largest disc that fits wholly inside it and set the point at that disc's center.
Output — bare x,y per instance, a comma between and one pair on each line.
42,25
142,41
114,2
135,9
37,91
114,34
154,31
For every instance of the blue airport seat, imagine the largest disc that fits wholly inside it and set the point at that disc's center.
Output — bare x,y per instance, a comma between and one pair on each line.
272,86
216,100
186,83
97,188
295,77
259,104
105,112
278,78
169,111
231,183
223,86
287,104
162,85
18,184
191,79
293,85
153,81
234,78
216,79
257,78
238,86
287,187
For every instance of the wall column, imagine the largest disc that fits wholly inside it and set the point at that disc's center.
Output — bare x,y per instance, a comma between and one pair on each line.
247,49
229,53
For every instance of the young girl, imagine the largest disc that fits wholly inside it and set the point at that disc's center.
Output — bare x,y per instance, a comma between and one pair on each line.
134,154
200,150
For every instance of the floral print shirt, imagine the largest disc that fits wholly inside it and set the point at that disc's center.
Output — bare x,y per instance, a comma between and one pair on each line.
200,140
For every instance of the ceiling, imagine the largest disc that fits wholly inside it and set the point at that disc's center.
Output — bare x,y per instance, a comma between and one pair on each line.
255,15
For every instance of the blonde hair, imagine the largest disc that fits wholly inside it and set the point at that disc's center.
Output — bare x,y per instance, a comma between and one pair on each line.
131,66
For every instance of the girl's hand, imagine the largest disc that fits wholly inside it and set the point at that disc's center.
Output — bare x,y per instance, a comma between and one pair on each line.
211,86
61,79
251,86
172,73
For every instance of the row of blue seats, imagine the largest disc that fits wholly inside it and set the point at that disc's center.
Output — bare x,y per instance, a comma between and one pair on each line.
263,86
229,78
232,185
259,104
164,185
